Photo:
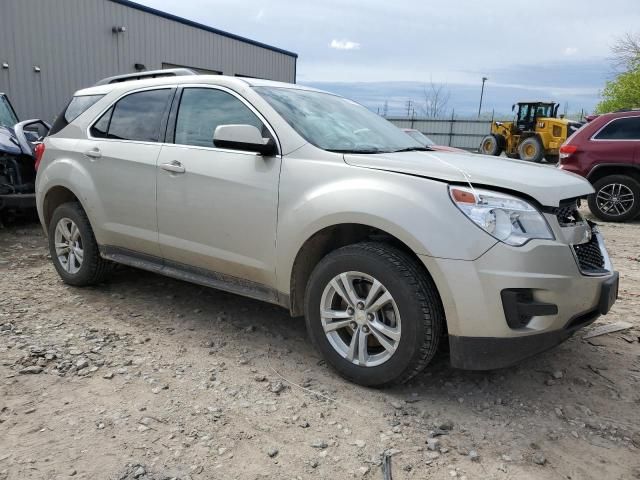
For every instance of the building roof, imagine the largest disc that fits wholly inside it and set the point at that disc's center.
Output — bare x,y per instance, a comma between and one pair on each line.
201,26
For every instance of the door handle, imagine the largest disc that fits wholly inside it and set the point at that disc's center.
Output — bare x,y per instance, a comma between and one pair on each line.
174,166
93,153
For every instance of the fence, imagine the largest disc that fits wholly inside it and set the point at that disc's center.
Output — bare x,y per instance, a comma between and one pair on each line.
454,132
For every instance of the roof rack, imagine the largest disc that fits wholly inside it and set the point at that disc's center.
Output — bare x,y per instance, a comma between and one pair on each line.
169,72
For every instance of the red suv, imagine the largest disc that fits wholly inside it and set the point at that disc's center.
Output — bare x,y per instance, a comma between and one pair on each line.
606,151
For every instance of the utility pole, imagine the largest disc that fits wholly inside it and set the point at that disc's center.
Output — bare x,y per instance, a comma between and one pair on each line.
408,108
385,109
484,79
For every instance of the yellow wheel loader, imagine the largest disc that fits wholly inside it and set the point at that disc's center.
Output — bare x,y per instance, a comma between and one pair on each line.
536,133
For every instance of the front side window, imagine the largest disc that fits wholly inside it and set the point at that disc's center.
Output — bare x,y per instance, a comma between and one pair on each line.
336,124
203,109
621,129
8,117
137,116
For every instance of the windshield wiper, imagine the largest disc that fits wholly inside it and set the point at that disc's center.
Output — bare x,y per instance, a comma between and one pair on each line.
414,149
363,151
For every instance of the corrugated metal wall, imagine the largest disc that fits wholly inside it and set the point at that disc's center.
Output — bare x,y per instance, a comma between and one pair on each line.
72,43
454,132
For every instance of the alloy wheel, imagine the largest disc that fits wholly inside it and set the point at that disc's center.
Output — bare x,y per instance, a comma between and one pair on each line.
68,244
360,319
615,199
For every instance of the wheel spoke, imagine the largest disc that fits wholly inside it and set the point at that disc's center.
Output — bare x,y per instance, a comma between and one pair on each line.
387,331
79,254
386,344
70,261
61,248
333,326
75,232
363,354
64,230
374,291
382,300
353,345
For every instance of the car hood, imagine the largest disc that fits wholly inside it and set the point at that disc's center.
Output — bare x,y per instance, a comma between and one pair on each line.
545,184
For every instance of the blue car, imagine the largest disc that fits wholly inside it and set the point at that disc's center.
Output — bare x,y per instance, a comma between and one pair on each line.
18,142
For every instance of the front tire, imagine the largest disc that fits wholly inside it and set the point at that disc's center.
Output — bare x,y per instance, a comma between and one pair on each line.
373,313
73,247
617,198
531,150
492,144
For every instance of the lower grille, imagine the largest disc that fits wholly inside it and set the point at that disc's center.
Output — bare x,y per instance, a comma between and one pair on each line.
590,256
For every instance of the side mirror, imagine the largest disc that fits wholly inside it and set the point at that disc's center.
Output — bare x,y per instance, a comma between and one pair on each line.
243,137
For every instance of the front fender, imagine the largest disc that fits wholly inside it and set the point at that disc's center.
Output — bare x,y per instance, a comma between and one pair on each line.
417,211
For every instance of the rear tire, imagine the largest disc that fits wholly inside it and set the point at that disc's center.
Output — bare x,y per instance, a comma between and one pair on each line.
531,150
492,144
617,198
73,247
410,314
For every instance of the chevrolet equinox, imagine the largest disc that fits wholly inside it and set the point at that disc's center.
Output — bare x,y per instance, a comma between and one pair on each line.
308,200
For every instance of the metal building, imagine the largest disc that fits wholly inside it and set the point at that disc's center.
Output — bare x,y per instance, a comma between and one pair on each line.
51,48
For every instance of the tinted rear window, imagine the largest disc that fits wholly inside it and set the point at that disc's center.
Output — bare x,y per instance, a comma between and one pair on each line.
138,116
621,129
76,107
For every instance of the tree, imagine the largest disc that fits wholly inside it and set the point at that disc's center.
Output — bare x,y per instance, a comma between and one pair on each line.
622,92
626,51
436,100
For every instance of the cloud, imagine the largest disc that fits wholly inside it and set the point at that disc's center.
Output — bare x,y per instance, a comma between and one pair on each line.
344,45
260,15
570,51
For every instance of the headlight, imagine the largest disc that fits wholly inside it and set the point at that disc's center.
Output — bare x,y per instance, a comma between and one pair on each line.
509,219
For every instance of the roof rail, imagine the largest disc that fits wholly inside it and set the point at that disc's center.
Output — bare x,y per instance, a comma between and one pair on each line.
169,72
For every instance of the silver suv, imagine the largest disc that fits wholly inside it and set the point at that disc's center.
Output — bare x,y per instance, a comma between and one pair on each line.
310,201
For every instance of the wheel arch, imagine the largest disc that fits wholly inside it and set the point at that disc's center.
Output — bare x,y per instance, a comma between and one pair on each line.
328,239
53,198
603,170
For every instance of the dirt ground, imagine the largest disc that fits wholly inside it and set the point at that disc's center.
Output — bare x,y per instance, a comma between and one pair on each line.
149,378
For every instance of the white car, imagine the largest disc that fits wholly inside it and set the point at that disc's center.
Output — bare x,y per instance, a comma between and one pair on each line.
310,201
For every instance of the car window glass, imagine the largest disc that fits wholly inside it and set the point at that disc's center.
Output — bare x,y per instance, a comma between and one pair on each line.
78,105
101,127
621,129
203,109
139,116
7,116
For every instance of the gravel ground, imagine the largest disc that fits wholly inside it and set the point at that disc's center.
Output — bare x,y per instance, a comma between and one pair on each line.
145,377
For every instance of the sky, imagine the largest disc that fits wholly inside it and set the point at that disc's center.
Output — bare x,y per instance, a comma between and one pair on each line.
378,51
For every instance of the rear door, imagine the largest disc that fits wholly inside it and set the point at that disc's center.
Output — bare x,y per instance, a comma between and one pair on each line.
121,153
217,209
618,142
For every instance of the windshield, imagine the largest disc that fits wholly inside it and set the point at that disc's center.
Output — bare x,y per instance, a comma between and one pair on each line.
420,137
336,124
7,115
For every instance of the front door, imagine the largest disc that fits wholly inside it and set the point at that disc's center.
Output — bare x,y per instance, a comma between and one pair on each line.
217,208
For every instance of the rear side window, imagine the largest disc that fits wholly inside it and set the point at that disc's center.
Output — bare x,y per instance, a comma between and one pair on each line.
621,129
203,109
76,107
138,117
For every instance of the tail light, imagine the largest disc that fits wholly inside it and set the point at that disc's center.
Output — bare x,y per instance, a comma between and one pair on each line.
567,150
39,152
